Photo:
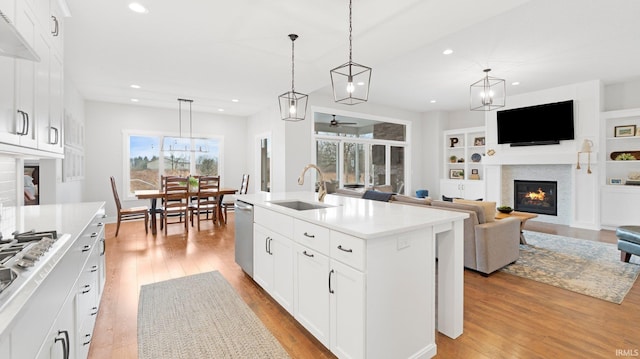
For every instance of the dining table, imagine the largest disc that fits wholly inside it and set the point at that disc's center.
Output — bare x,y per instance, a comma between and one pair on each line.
153,195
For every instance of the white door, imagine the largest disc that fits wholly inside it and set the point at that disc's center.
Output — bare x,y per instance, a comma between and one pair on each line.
347,311
312,292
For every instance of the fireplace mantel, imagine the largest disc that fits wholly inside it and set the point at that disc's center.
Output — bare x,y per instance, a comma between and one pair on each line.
550,158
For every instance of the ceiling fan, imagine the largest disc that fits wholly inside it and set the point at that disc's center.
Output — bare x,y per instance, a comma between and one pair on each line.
335,123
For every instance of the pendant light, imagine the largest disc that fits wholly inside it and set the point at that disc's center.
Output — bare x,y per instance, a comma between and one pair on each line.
488,93
350,81
182,144
293,105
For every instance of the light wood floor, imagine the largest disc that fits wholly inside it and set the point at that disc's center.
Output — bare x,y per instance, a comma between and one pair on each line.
505,316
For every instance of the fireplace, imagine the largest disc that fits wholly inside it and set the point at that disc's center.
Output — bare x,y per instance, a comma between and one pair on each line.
536,197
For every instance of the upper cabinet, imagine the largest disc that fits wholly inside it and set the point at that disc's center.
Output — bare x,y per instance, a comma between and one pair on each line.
31,102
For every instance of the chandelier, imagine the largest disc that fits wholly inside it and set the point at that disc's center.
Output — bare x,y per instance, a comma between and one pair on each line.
488,93
350,81
180,143
293,105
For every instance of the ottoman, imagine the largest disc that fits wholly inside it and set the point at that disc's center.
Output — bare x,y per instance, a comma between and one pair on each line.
628,241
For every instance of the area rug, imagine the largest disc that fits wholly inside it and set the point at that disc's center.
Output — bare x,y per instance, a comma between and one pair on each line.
200,316
582,266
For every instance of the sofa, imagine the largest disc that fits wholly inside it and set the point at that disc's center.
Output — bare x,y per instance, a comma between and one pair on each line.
489,244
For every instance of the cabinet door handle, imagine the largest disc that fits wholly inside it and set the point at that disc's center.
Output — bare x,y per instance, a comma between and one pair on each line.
345,250
99,224
56,26
307,254
88,339
86,248
94,310
25,124
87,289
94,235
268,245
65,342
56,138
309,235
330,289
103,246
93,269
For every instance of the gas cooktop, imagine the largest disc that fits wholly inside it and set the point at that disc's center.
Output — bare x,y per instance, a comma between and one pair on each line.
20,253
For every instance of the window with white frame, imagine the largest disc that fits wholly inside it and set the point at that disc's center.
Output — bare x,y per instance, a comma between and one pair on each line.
356,152
147,160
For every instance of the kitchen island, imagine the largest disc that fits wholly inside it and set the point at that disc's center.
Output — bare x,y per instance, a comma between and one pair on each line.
360,275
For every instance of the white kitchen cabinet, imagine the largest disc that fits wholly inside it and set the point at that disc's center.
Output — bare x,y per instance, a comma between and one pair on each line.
463,189
31,93
347,308
59,343
273,265
311,292
25,80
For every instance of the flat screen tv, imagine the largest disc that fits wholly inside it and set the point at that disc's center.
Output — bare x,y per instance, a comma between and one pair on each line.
536,125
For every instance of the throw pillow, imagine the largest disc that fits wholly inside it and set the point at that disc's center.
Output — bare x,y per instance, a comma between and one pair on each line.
489,208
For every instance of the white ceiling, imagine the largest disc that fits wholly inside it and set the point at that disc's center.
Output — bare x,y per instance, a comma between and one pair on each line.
213,51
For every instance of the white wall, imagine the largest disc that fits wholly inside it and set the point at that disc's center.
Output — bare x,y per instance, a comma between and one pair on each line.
587,106
622,96
104,148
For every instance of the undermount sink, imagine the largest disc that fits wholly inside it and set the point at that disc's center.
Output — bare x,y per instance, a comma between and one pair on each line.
300,205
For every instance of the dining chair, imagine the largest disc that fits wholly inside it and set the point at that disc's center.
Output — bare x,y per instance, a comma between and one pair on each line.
230,202
175,201
129,214
206,199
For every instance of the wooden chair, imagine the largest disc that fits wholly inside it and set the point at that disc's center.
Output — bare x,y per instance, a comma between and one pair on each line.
129,214
206,200
228,204
175,201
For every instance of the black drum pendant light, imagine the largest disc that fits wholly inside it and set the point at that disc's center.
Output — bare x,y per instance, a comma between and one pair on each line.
293,105
350,81
488,93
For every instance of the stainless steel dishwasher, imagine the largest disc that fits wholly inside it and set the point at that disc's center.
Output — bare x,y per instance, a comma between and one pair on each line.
244,235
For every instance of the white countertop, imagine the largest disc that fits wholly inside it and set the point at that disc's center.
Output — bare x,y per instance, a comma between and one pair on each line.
355,216
69,220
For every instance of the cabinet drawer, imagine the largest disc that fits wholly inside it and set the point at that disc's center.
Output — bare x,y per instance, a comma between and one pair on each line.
348,250
274,221
312,236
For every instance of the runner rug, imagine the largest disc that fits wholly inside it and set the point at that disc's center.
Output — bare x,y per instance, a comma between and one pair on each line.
200,316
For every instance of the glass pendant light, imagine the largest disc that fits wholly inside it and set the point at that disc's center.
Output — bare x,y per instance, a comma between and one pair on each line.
350,81
293,105
488,93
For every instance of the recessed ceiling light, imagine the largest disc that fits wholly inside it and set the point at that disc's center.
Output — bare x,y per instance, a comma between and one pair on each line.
433,101
447,52
134,86
221,109
360,83
137,7
135,100
515,83
235,100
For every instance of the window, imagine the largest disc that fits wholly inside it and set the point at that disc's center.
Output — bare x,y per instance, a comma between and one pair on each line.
356,152
147,161
264,149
